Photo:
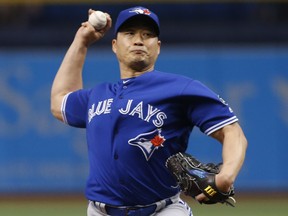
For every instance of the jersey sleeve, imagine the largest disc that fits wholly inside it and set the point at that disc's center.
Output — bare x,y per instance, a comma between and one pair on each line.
207,110
74,108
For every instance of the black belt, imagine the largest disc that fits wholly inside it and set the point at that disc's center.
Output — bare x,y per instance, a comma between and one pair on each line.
132,210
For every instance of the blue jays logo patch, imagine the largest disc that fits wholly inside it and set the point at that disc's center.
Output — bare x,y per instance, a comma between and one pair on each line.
144,11
148,142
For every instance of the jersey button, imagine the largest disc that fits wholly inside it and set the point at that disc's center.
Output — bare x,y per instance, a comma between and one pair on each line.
124,87
121,97
115,156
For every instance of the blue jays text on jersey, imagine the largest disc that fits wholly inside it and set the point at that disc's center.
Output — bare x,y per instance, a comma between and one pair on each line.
134,125
104,107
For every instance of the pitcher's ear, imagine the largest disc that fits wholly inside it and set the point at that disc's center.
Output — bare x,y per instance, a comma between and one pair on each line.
114,41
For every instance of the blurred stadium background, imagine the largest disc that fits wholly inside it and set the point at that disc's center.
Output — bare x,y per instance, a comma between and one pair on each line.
238,48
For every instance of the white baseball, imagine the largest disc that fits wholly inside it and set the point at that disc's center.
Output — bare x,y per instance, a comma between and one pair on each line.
98,19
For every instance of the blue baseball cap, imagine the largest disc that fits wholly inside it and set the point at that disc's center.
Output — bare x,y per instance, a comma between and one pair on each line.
138,11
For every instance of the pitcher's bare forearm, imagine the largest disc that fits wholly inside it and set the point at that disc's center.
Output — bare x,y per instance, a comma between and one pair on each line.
69,76
233,152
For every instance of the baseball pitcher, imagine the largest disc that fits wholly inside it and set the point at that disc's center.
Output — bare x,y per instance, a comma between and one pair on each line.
135,126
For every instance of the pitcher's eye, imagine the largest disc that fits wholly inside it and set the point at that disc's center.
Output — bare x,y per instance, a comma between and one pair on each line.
129,33
149,34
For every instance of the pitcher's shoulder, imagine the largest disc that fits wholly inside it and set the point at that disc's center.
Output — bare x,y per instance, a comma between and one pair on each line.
172,76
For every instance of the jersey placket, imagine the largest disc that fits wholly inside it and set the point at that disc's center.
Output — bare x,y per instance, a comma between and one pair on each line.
120,101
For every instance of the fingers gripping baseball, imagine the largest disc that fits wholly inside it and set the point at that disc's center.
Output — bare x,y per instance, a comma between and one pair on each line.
97,19
90,34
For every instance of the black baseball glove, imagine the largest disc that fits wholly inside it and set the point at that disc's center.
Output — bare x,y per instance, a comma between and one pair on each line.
195,178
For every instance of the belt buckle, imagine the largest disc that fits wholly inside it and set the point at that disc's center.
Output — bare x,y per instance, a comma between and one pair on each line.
125,211
131,210
136,210
140,211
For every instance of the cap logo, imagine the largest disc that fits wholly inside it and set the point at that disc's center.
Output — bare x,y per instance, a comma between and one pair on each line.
140,11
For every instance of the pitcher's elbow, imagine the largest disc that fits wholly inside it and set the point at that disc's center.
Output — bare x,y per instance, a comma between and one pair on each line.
56,111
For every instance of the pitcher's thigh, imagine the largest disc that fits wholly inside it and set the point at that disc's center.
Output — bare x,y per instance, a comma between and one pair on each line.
93,211
180,208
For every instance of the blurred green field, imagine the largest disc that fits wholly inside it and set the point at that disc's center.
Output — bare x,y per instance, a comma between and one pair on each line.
61,206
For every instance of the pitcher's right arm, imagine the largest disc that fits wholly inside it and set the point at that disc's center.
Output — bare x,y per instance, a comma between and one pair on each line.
69,75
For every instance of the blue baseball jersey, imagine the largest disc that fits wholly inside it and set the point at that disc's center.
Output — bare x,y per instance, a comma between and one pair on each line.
134,125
